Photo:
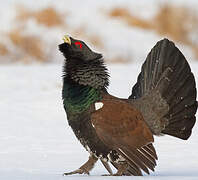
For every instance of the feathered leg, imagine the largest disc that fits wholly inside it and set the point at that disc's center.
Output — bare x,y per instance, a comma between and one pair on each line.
107,167
121,169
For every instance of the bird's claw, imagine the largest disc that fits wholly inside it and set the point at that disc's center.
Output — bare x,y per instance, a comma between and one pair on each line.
78,171
85,168
106,174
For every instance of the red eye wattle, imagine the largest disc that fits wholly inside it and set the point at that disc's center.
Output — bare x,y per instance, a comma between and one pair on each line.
78,44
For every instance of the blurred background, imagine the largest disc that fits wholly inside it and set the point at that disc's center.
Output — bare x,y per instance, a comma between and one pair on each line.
36,140
124,31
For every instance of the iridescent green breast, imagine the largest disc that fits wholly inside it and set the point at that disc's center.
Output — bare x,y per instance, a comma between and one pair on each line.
78,98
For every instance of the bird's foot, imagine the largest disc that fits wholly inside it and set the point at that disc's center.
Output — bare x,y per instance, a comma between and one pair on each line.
116,174
78,171
85,168
120,171
106,165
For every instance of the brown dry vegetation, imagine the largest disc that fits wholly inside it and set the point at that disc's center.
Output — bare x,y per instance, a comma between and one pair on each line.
48,16
174,22
130,19
3,50
29,45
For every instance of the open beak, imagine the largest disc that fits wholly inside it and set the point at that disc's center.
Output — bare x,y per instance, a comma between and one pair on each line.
67,39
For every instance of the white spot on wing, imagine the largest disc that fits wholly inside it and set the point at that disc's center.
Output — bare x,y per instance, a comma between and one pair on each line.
98,105
92,125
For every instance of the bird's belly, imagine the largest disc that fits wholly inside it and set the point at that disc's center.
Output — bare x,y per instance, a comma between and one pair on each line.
86,134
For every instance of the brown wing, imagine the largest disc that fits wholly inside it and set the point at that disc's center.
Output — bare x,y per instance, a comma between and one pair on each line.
122,127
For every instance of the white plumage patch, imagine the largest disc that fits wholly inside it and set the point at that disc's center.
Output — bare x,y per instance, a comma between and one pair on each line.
98,105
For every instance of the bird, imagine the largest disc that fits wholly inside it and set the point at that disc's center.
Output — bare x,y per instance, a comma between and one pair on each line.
120,132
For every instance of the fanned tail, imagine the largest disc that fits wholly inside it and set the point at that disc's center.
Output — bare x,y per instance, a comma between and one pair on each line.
166,92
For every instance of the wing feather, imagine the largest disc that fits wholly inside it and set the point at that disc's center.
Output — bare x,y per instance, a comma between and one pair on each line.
122,128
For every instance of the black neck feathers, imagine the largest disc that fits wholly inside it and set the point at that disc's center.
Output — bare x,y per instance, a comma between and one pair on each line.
91,73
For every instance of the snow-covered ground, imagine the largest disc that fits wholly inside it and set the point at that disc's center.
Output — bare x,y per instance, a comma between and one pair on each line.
36,142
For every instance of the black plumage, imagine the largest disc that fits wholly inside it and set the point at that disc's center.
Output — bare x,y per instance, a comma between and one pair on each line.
120,131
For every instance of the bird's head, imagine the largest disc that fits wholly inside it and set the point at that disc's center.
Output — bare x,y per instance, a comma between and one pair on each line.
77,49
83,65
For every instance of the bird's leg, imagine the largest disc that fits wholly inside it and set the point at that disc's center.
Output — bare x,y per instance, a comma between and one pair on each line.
106,165
121,169
86,167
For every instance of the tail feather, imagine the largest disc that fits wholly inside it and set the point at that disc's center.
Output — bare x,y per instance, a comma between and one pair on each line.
129,155
184,93
183,129
151,150
132,169
167,82
151,158
138,160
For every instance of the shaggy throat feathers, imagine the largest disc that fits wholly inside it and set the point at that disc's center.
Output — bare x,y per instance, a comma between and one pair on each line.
82,65
84,75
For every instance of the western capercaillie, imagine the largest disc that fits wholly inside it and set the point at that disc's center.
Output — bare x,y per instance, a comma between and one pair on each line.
120,131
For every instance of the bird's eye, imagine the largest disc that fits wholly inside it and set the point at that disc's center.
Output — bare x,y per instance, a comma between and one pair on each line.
78,44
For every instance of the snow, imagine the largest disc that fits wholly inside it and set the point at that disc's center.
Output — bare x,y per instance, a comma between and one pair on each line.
37,143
